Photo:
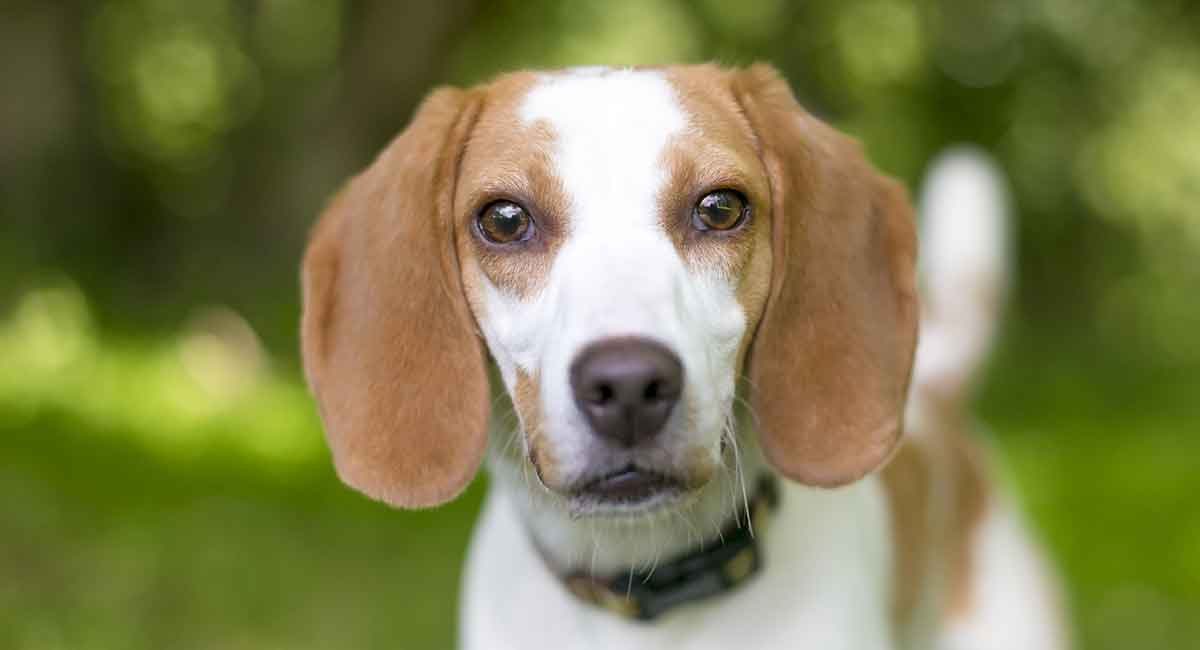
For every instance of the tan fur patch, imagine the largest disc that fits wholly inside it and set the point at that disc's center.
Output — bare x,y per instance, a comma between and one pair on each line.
715,152
908,482
718,151
527,401
970,507
397,370
698,467
506,159
937,488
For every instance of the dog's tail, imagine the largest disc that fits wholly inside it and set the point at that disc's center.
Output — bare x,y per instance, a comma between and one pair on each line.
966,257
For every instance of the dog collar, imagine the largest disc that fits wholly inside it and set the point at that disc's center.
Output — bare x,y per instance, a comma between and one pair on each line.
709,571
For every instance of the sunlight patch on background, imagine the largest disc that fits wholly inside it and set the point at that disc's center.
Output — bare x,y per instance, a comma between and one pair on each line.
978,41
1103,33
1142,171
173,76
222,354
54,328
625,32
209,387
1145,166
880,42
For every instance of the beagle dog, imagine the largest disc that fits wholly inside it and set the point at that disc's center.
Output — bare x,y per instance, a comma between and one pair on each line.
677,316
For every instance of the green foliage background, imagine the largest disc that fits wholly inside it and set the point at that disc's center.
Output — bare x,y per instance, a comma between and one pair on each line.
164,481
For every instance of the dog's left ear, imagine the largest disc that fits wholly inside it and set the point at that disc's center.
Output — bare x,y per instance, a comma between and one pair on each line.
390,347
832,356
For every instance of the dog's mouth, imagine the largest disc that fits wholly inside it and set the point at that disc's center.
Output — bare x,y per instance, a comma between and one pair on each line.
627,489
629,484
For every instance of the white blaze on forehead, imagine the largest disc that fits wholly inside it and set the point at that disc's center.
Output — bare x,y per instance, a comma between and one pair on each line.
610,128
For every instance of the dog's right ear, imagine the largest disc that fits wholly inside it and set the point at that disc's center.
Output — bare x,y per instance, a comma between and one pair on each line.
833,351
390,348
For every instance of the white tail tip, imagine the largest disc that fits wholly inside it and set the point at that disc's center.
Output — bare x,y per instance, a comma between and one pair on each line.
965,267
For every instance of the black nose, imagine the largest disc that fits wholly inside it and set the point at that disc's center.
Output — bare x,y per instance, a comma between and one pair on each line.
626,388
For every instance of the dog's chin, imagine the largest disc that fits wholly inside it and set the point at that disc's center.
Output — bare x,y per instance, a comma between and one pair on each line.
628,492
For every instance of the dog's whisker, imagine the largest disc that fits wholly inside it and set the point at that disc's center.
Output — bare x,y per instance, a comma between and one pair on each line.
745,379
595,548
653,566
729,433
657,543
692,533
741,479
512,438
745,404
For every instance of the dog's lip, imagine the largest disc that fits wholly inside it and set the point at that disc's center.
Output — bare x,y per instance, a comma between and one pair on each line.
629,484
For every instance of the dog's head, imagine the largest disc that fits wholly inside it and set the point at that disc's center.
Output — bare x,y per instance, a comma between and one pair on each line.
630,247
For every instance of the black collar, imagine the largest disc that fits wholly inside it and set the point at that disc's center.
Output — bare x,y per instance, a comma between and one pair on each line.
706,572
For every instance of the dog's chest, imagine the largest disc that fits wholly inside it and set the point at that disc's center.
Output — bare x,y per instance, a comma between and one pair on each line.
824,585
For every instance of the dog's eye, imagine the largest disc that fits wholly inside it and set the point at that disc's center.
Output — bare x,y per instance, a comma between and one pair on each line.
720,210
505,222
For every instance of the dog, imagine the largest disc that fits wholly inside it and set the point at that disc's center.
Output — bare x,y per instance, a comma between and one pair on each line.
677,315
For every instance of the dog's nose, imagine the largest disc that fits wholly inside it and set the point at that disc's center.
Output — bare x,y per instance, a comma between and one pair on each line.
626,388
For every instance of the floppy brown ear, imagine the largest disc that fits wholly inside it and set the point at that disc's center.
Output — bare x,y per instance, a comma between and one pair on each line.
833,352
389,345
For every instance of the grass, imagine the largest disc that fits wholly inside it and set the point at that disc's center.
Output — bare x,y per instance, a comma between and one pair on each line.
113,547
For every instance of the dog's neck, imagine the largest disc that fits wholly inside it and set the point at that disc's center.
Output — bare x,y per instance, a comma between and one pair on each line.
603,546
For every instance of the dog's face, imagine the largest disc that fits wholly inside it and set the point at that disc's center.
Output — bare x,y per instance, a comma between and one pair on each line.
626,246
614,242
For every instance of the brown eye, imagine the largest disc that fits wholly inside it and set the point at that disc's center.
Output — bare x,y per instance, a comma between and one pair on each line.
505,222
720,210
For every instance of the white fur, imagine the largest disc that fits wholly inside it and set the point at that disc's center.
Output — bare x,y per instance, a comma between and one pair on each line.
826,587
827,581
1015,601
